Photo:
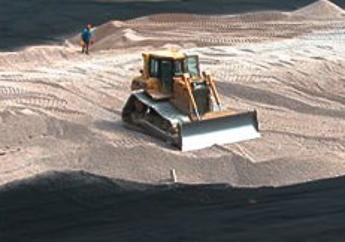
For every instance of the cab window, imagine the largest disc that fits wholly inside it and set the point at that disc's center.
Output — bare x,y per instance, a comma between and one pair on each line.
154,68
192,64
178,68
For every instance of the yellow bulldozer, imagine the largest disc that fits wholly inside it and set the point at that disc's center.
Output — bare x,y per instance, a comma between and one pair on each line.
174,101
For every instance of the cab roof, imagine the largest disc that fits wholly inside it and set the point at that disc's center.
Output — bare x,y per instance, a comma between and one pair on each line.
171,54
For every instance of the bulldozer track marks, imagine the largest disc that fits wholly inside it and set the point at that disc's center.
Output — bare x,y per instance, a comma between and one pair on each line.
47,102
36,99
225,31
6,92
129,142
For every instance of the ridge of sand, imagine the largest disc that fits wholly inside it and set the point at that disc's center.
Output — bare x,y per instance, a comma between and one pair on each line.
186,30
108,28
120,38
321,9
113,34
100,32
189,30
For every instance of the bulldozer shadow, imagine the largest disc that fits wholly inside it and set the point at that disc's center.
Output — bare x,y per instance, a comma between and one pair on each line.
118,127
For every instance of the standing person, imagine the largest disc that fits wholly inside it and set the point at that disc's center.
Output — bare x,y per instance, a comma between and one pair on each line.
86,39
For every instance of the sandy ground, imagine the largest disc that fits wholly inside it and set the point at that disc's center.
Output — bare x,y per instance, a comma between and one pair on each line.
60,110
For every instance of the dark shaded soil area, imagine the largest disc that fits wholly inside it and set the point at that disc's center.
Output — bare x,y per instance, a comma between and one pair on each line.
77,206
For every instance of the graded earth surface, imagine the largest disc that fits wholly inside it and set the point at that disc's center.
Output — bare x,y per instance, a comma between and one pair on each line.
60,110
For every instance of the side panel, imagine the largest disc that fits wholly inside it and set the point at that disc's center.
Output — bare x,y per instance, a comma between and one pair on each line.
180,99
145,84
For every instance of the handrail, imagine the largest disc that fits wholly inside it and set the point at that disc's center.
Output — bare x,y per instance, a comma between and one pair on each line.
212,85
186,79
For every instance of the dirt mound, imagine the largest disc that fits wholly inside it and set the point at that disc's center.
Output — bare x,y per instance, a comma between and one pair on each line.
175,17
261,16
100,32
107,29
320,10
113,34
119,38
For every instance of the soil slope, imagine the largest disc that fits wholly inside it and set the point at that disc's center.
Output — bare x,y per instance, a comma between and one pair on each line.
60,110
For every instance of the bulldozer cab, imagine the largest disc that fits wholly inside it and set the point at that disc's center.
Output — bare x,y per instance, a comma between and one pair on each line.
165,69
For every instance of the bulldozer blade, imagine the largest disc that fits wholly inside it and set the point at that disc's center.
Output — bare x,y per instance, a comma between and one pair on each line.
218,131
